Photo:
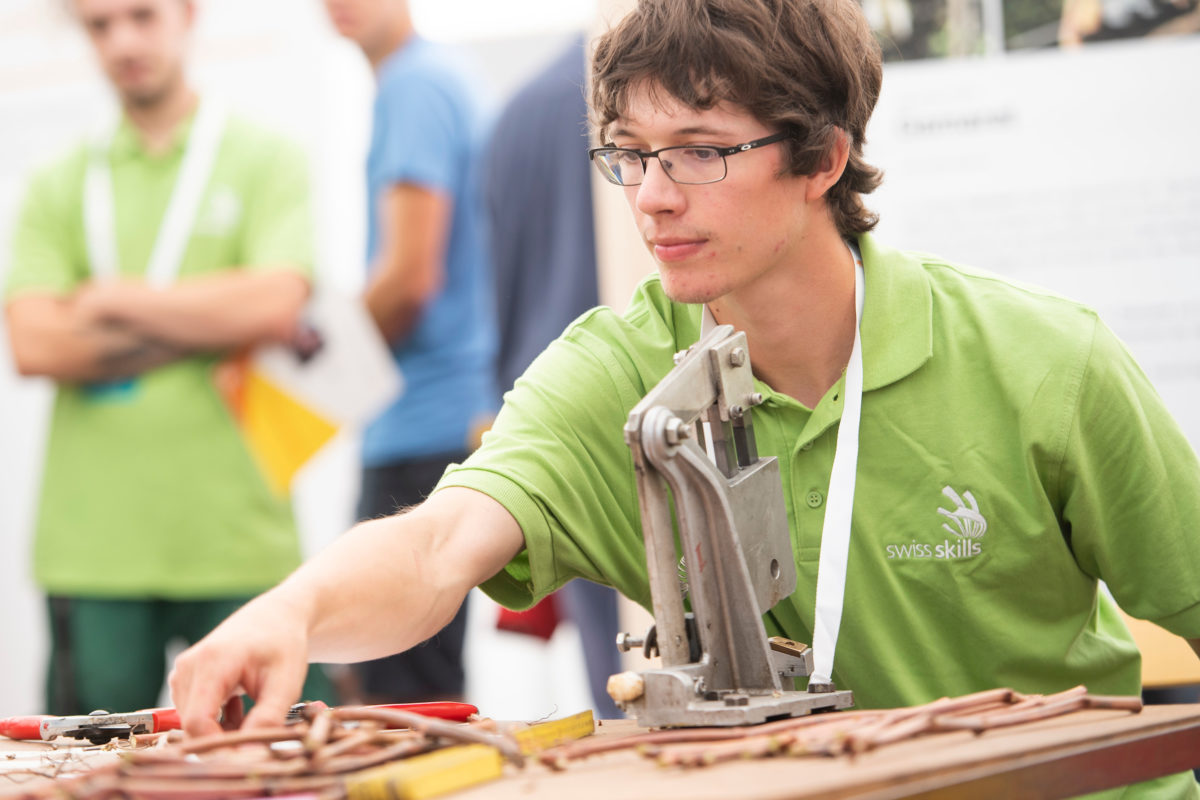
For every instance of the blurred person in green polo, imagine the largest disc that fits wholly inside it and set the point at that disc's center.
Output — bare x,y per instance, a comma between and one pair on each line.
154,522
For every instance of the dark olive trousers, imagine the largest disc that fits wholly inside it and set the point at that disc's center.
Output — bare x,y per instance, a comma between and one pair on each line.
111,654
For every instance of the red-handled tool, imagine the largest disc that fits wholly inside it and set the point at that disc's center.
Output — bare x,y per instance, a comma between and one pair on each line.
22,727
102,727
97,728
454,712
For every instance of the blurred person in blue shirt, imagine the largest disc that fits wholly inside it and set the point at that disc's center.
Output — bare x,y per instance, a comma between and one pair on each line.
429,290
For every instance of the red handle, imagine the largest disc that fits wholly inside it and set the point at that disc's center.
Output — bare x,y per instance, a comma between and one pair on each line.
165,719
456,712
22,727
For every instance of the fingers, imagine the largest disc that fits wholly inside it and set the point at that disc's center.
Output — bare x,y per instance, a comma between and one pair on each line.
274,698
197,696
261,650
208,680
233,714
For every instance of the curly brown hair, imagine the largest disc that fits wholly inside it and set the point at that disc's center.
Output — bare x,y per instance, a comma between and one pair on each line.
808,67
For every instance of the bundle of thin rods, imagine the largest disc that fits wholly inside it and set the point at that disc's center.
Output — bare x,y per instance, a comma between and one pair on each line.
316,756
842,732
307,757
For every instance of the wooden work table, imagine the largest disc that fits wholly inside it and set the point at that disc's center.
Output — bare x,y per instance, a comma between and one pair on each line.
1060,757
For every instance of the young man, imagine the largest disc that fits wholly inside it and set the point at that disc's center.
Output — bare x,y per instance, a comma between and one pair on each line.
1010,452
429,291
154,521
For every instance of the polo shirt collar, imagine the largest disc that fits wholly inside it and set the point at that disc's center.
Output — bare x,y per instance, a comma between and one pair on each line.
127,143
897,325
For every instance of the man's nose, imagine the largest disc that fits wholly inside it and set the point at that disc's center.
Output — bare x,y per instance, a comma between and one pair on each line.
121,37
657,193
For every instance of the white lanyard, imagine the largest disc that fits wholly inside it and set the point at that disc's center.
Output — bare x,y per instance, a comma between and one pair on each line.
839,504
174,232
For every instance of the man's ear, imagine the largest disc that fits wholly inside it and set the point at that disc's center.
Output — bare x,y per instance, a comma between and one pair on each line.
833,164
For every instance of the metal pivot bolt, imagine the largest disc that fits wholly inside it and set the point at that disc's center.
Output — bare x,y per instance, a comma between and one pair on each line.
736,411
677,430
737,356
755,399
627,642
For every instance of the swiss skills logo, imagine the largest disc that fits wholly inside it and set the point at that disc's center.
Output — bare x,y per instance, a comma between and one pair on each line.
964,522
222,213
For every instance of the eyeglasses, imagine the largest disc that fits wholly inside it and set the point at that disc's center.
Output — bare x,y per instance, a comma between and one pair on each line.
690,164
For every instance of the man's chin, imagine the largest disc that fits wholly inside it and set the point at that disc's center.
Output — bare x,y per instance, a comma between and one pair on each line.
693,295
149,90
143,96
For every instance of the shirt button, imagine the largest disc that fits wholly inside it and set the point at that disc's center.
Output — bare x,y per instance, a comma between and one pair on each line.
814,499
806,446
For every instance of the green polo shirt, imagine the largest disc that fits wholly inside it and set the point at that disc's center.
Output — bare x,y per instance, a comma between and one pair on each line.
1019,397
148,489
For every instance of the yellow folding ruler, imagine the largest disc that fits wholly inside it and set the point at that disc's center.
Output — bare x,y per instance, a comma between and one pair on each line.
427,775
454,768
544,735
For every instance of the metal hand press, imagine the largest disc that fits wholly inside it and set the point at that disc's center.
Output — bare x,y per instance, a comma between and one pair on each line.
719,667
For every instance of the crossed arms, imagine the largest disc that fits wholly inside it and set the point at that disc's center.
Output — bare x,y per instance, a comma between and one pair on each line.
117,329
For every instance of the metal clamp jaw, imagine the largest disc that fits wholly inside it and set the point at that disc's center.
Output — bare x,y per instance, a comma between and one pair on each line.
719,668
100,726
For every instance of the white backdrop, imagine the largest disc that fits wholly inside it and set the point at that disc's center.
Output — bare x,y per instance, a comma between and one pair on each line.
1074,170
279,61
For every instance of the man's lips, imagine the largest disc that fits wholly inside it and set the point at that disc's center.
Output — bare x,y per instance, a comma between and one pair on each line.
132,71
676,249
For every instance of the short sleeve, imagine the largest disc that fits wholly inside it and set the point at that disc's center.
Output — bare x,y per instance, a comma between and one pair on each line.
556,459
1131,488
418,137
47,243
279,223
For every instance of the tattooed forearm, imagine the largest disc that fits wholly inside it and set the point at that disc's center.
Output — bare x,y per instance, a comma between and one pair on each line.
122,360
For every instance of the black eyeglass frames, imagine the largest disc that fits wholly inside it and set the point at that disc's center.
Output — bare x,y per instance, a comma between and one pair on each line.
688,164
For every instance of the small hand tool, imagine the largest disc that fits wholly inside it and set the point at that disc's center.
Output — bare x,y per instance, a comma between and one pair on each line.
100,726
454,712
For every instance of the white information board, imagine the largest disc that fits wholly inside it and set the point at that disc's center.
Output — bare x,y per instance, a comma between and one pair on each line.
1074,170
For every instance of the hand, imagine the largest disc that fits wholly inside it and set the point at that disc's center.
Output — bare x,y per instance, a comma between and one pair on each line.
261,650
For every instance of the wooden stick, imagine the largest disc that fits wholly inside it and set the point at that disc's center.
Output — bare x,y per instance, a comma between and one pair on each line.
557,757
348,763
240,737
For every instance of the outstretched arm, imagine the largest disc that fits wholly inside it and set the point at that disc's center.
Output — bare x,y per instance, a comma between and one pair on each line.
386,585
115,329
